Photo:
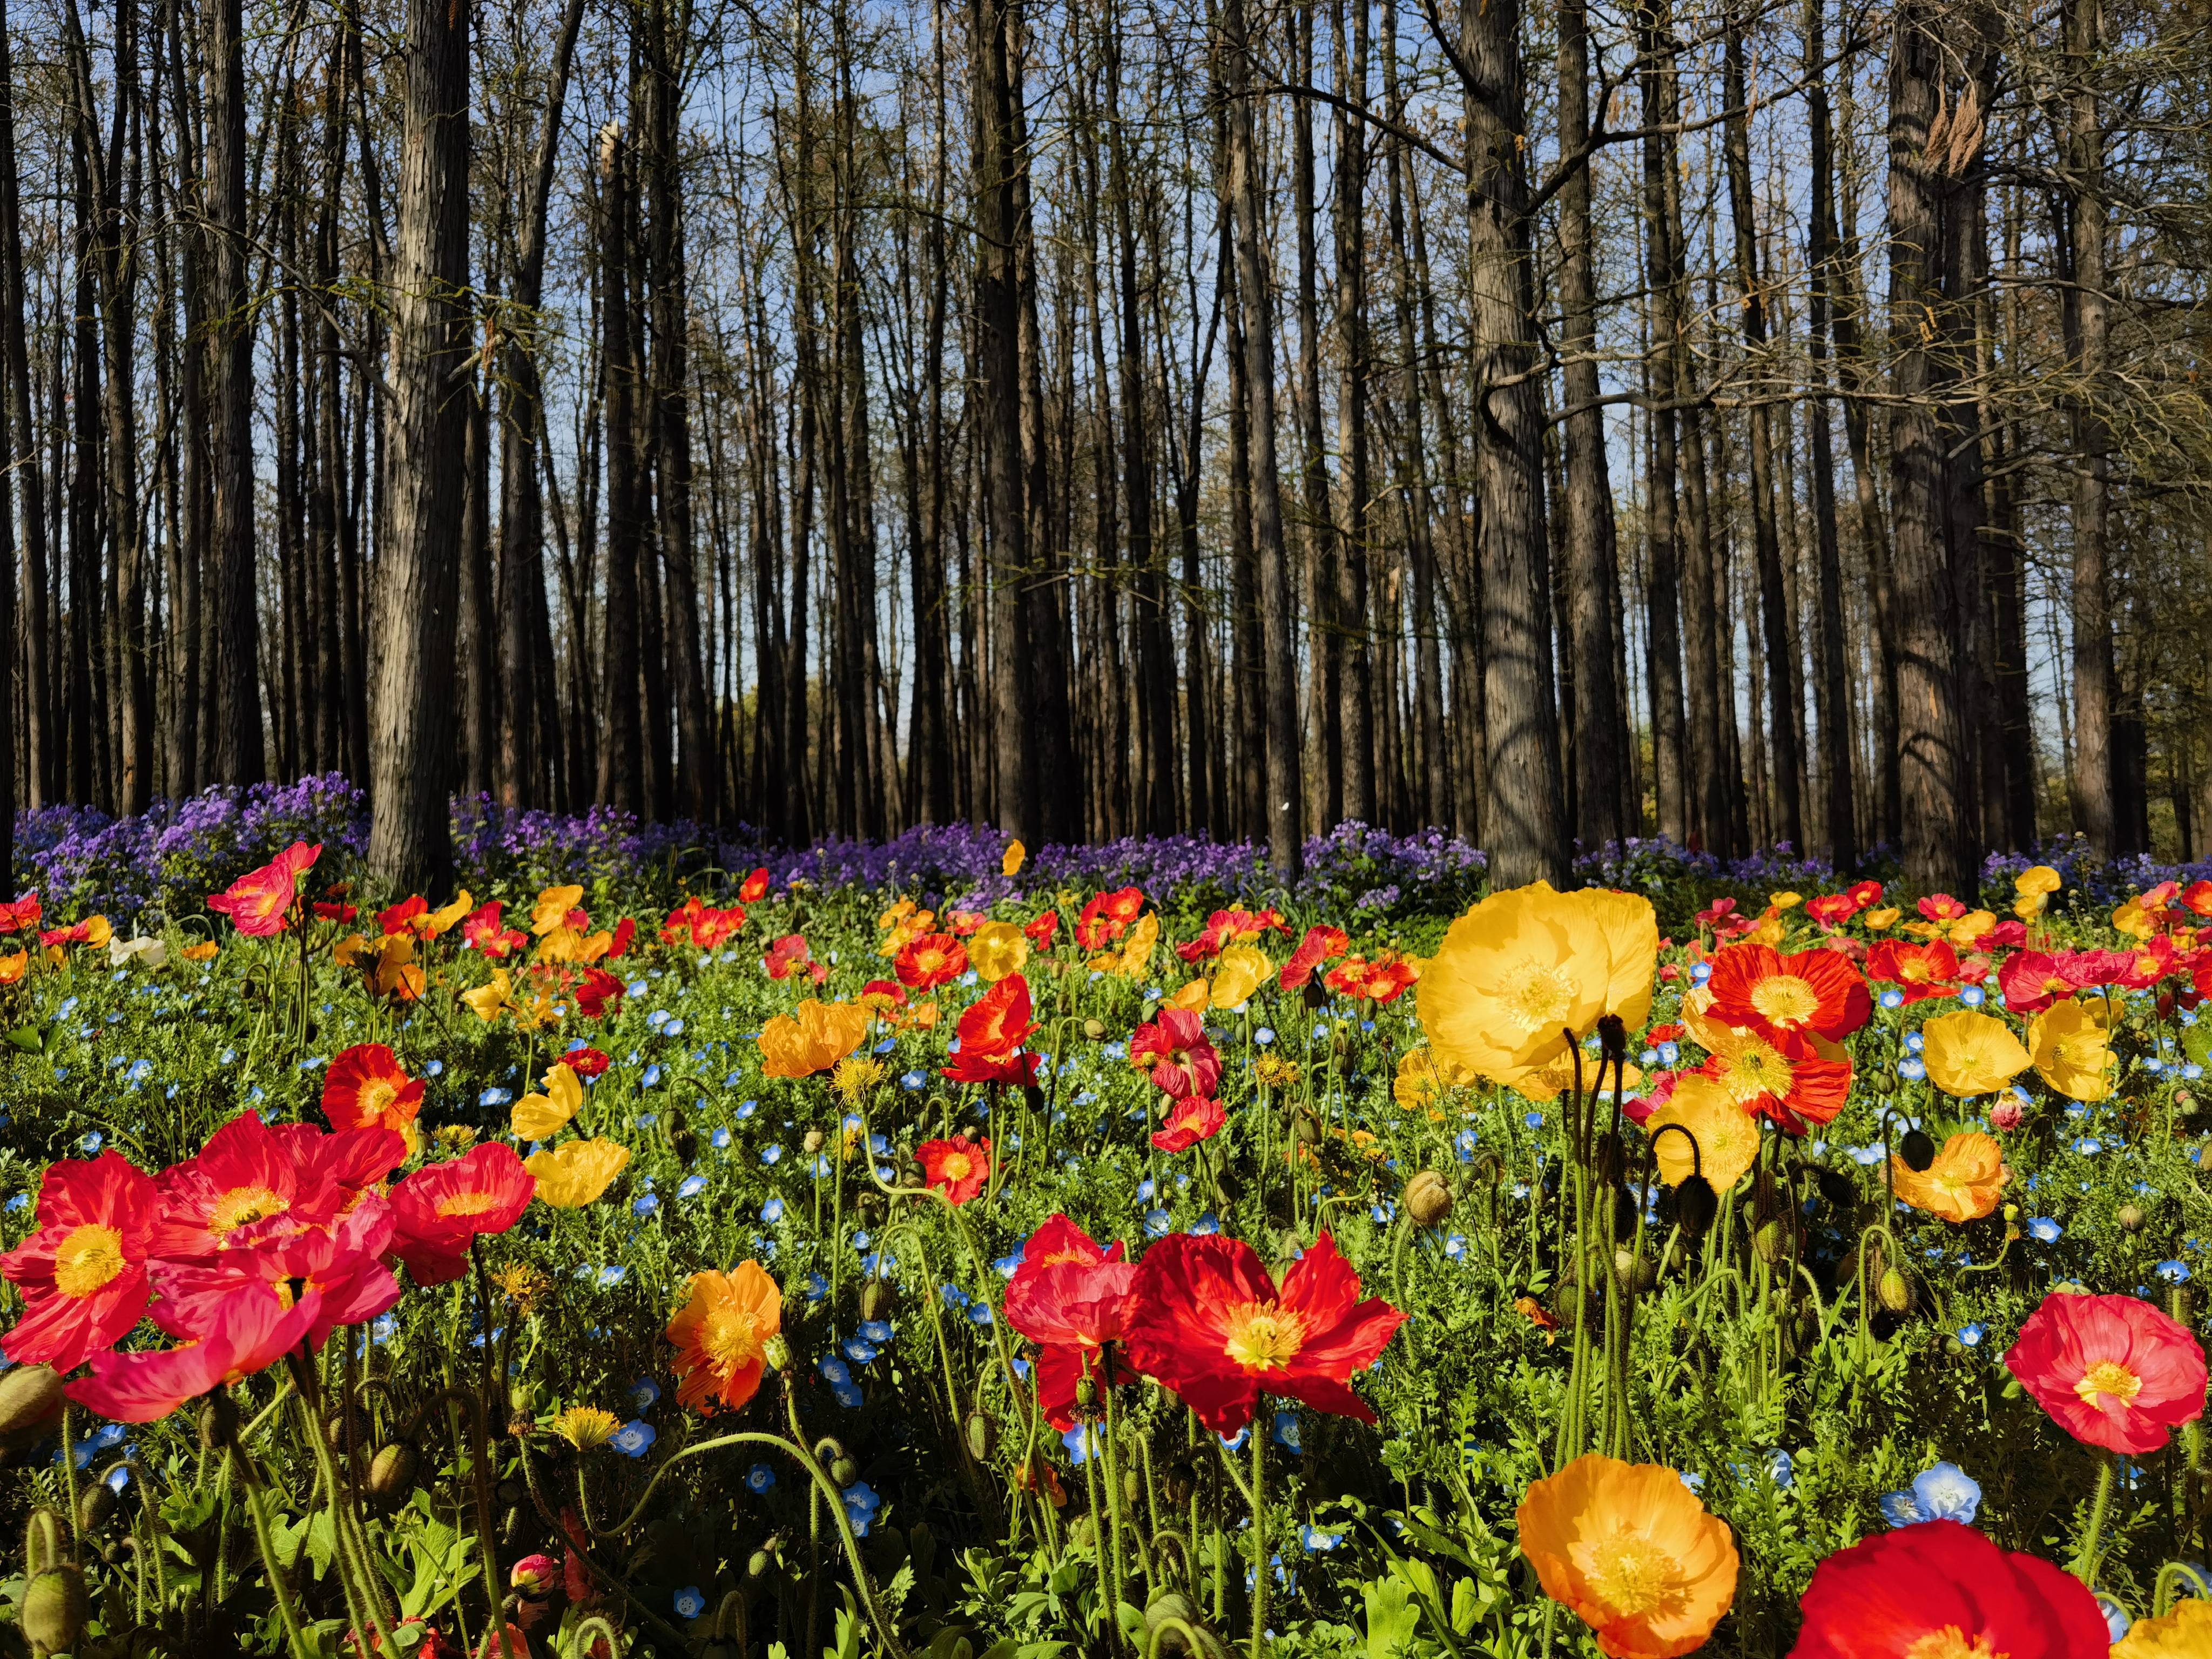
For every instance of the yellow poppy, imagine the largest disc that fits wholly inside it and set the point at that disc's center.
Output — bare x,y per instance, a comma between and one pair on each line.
1963,1184
552,909
1630,1550
2131,919
2028,906
486,1000
2040,878
349,951
1011,864
1968,1053
1242,970
1971,926
442,920
395,974
1883,919
2184,1633
1135,955
1727,1138
97,932
812,1039
997,949
540,1117
575,1173
2072,1050
1423,1080
1785,901
1527,971
1196,998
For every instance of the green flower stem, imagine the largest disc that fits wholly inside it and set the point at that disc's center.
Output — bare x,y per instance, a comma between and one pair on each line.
69,1479
356,1566
2085,1563
1259,1495
560,1530
279,1586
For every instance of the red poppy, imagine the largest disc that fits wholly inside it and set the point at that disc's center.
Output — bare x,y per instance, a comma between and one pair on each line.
1070,1298
1943,1590
1319,945
1227,928
2198,899
1941,907
1831,910
1043,930
2112,1371
586,1062
83,1273
436,1211
785,954
244,1174
366,1087
483,930
706,927
244,1334
2148,964
352,1161
1209,1321
1190,1119
1790,1091
599,994
2032,981
931,960
77,932
1789,1000
958,1168
1920,970
1005,1066
1107,916
1715,912
24,915
1864,894
625,936
756,886
999,1020
1174,1048
2005,936
342,1265
256,902
335,910
1384,980
402,917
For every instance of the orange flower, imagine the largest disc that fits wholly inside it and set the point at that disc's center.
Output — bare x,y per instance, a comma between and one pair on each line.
1789,1000
1963,1184
1629,1550
958,1168
722,1334
1383,979
930,960
394,973
815,1038
13,967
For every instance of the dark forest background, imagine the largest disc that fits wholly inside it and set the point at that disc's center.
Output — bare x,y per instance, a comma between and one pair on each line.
1742,421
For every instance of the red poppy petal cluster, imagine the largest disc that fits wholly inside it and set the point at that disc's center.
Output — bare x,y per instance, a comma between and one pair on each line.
1174,1048
258,900
2112,1371
1943,1588
958,1168
1071,1297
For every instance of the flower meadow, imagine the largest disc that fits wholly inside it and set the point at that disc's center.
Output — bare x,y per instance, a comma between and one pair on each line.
929,1249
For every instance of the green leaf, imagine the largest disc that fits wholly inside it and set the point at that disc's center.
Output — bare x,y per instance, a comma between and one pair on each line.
1392,1618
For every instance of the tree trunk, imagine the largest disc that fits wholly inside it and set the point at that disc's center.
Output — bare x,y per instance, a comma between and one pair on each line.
2095,812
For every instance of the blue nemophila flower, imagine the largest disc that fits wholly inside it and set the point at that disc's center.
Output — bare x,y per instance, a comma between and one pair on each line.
772,1211
434,1068
645,1203
634,1438
760,1477
2043,1230
848,1395
1286,1433
1206,1225
613,1275
953,1294
1916,1042
1911,1068
1691,1478
817,1288
772,1155
1264,1037
861,1503
691,1186
689,1604
2173,1272
1317,1542
1082,1443
1158,1225
1946,1492
979,1313
746,1108
2088,1146
1781,1468
2118,1619
1971,1333
1237,1441
1534,1120
1891,998
858,1350
384,1329
833,1370
673,1029
914,1082
876,1330
643,1394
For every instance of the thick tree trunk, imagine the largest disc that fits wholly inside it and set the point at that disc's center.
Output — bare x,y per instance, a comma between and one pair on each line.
238,756
2095,810
410,749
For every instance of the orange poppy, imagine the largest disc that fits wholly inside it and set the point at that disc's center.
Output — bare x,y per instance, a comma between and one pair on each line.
722,1334
1963,1184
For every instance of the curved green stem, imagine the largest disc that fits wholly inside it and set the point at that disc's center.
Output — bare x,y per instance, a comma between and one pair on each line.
2085,1563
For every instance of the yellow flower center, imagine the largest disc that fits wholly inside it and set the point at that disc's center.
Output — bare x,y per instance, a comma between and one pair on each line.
1536,996
1263,1336
89,1258
242,1205
470,1203
2108,1377
730,1337
376,1097
1784,999
1952,1642
1633,1575
2081,1051
957,1166
1758,1069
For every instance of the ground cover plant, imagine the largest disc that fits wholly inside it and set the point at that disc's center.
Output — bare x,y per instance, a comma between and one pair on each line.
656,1244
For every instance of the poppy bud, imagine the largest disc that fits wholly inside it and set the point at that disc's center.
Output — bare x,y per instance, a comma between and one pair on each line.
1132,1487
2130,1218
1174,1629
982,1436
879,1299
30,1402
1179,1482
1428,1198
844,1469
1836,1187
218,1419
391,1472
1488,1168
813,1143
1893,1290
758,1563
1033,1098
42,1541
1611,1036
1317,995
524,1400
1634,1274
54,1609
1305,1129
534,1576
1918,1149
1696,1204
1771,1240
1086,1393
95,1505
1094,1029
686,1144
777,1352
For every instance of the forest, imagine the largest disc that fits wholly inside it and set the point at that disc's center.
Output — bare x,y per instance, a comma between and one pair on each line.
1742,423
